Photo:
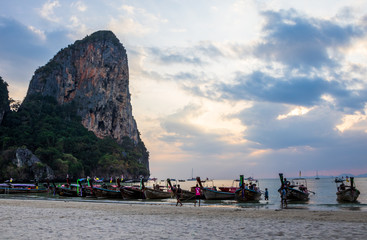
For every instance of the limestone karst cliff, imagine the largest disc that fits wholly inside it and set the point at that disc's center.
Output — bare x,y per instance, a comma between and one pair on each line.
93,72
77,117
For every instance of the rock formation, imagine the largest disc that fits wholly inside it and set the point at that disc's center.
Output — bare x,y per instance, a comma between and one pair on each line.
94,73
31,166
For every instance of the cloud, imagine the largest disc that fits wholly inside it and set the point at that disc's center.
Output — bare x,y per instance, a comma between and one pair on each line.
304,91
313,129
128,27
80,6
28,47
135,21
47,10
168,56
301,42
18,40
209,49
184,129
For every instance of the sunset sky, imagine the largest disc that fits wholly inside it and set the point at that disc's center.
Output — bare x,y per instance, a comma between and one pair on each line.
221,87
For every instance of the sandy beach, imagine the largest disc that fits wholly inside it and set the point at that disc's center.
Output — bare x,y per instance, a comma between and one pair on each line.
43,219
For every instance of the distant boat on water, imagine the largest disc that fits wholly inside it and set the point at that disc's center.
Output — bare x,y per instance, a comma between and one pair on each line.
192,176
317,175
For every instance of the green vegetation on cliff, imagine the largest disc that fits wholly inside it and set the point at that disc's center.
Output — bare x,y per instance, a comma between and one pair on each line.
4,96
54,133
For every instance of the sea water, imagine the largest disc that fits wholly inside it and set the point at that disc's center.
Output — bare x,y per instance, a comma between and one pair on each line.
323,199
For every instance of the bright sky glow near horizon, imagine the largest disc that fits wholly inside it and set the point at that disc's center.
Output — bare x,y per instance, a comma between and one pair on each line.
225,88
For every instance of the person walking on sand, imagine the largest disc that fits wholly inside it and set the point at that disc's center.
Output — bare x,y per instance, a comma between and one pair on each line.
178,195
266,194
197,194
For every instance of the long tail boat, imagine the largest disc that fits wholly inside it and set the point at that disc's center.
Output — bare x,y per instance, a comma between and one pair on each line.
151,193
133,192
346,193
156,193
73,190
296,189
247,194
186,195
13,188
107,191
213,194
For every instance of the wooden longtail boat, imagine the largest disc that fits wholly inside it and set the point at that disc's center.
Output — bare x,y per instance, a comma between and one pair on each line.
156,193
228,189
249,194
151,193
14,188
213,194
346,193
105,191
75,190
231,189
131,192
296,190
72,190
185,194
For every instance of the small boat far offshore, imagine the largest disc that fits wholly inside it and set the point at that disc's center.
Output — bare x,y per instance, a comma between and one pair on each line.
192,176
317,176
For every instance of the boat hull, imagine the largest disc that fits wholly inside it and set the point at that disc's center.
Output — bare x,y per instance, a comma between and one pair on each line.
14,188
67,192
297,195
217,195
156,194
132,193
106,193
187,195
22,191
247,195
348,195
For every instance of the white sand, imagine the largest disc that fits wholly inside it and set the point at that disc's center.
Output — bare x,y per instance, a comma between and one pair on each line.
41,219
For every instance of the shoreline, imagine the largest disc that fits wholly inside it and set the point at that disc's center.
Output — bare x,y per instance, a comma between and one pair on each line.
41,219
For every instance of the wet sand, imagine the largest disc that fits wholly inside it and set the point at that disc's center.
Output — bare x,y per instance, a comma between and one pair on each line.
43,219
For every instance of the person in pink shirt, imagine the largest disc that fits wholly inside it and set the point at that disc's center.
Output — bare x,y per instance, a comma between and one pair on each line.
197,194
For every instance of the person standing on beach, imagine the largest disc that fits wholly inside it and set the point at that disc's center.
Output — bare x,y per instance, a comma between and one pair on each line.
266,194
284,197
197,194
178,195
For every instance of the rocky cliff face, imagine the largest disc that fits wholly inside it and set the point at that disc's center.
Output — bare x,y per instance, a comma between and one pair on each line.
94,73
30,166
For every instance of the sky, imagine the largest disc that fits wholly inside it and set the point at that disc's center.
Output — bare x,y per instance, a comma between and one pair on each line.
220,88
